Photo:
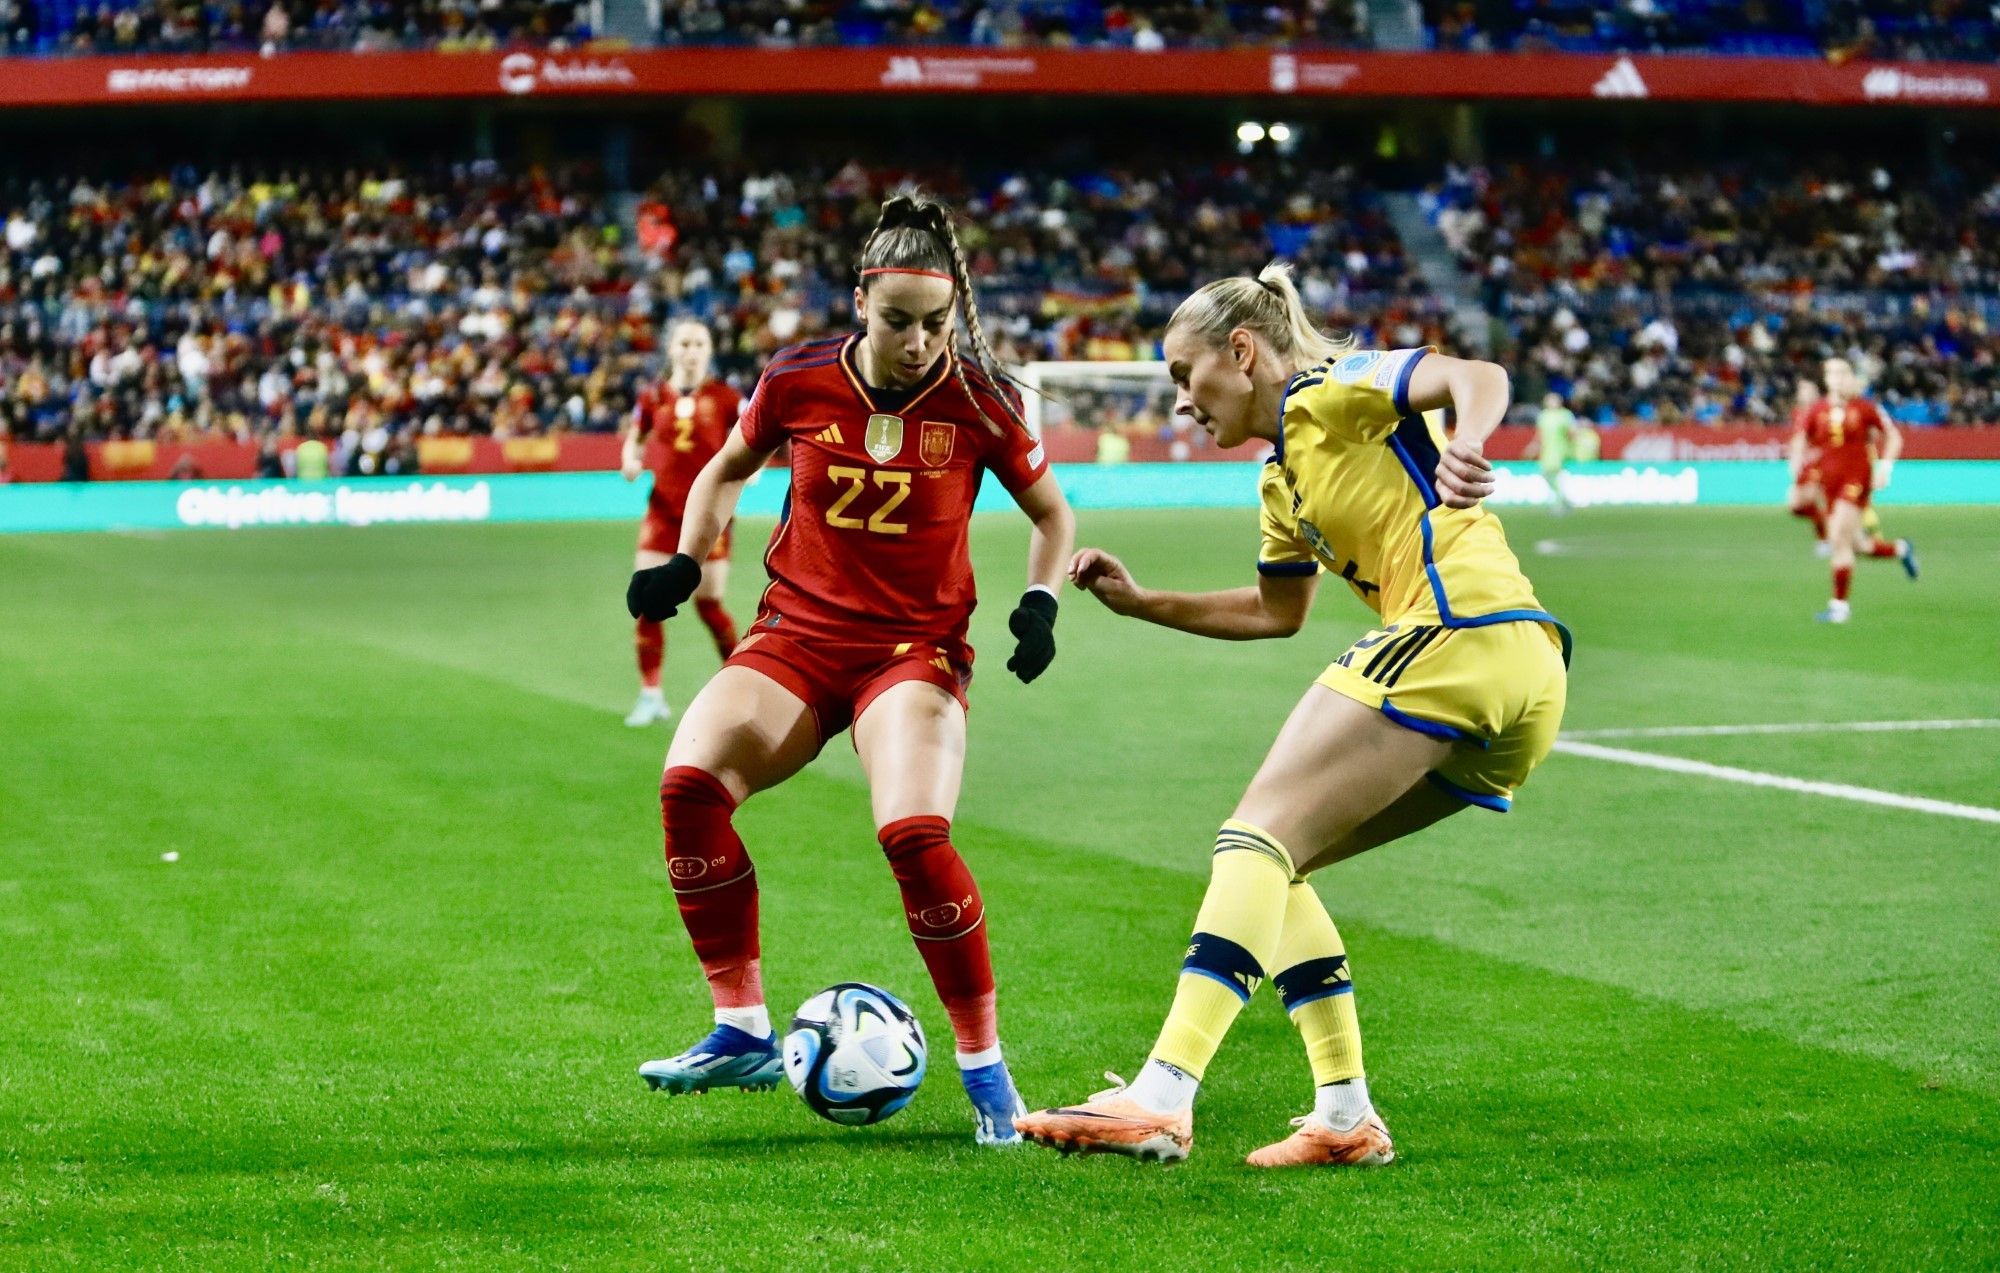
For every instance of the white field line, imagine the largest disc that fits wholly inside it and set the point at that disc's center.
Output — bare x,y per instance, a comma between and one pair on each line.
1753,778
1792,727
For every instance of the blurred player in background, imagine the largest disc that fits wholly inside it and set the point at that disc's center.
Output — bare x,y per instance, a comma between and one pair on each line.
1851,447
1451,702
1808,499
864,624
677,427
1555,425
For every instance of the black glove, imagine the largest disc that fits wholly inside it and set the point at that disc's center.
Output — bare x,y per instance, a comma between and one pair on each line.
1033,624
655,593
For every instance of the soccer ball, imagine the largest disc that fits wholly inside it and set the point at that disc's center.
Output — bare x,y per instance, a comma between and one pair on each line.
855,1054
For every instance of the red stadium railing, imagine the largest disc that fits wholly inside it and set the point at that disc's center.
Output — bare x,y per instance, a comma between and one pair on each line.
877,71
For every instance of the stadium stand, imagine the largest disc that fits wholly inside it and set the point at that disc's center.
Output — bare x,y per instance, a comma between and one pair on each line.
1916,30
474,300
1701,294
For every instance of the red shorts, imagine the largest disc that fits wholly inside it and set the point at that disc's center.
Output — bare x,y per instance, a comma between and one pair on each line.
660,533
837,679
1850,484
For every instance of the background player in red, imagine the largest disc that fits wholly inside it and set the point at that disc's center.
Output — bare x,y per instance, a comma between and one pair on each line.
677,427
864,624
1807,499
1857,448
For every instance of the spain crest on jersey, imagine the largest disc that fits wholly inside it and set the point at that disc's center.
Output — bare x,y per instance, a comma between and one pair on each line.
934,444
884,439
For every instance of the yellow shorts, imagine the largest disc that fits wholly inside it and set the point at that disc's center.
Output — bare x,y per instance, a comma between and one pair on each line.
1496,692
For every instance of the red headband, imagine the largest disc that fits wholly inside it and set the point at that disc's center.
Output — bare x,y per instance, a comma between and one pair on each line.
926,273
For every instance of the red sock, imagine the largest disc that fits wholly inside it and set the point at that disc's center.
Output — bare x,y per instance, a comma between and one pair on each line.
1842,576
714,884
720,625
1882,548
1814,514
942,904
651,640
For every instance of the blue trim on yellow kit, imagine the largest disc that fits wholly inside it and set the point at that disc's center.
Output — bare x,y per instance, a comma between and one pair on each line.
1401,396
1431,728
1482,620
1499,804
1288,568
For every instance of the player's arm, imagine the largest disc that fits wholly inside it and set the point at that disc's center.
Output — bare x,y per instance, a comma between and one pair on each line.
712,500
1033,621
1276,607
657,592
1054,535
1892,447
1795,453
1479,393
631,459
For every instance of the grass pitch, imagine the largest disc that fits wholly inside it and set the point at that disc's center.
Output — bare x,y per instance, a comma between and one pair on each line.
384,1009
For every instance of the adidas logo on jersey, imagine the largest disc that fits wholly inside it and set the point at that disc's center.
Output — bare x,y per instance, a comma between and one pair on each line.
1622,80
829,435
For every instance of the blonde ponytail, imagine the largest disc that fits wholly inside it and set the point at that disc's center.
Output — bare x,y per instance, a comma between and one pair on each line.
1268,305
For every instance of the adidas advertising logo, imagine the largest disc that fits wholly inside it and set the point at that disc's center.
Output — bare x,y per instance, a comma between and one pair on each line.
1622,80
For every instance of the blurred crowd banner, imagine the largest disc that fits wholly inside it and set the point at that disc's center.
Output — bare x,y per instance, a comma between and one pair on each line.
557,497
597,71
583,452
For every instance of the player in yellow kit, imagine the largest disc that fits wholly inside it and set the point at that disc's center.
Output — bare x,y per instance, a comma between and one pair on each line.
1451,702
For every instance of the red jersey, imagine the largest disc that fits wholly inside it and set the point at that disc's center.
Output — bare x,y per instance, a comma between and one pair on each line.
873,542
1844,434
681,433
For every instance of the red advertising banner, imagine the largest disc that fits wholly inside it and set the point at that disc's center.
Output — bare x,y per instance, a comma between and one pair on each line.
1233,72
577,452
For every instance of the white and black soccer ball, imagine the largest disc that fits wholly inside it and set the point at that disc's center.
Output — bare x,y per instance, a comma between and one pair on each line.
855,1054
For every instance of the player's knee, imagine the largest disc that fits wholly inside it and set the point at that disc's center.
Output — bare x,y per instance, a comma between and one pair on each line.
940,898
703,851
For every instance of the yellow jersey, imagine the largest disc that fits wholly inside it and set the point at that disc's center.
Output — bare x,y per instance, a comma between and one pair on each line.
1350,490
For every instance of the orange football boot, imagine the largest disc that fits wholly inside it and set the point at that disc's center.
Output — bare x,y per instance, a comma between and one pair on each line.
1111,1123
1316,1144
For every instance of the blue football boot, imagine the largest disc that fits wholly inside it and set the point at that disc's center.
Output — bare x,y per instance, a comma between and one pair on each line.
728,1057
995,1104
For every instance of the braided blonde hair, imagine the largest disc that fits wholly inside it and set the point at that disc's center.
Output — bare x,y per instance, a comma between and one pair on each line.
915,232
1268,305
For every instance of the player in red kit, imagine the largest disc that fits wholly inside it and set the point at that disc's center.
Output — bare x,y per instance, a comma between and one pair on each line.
863,625
1807,499
677,427
1857,448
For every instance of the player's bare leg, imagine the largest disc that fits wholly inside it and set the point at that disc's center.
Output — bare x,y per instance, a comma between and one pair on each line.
1868,542
911,740
744,733
1808,502
1843,526
708,599
1339,779
650,641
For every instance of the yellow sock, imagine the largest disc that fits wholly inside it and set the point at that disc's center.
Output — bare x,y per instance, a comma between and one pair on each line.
1235,939
1314,984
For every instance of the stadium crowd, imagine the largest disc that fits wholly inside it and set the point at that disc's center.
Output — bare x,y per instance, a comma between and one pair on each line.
1703,294
1015,23
472,300
361,26
1902,29
1915,30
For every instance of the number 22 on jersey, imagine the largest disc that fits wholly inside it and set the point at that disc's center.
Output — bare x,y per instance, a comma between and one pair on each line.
854,481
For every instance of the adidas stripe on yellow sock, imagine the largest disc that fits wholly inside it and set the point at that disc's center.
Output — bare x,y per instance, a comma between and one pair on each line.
1317,991
1236,935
